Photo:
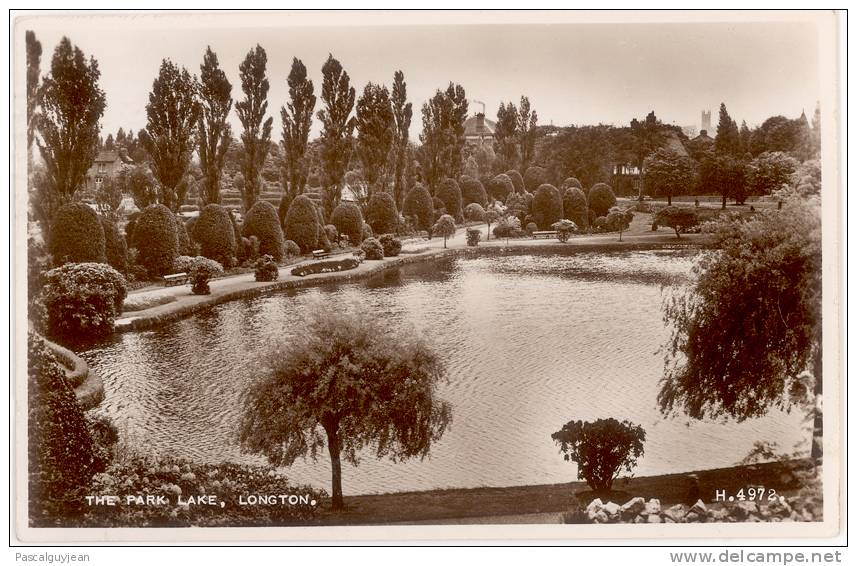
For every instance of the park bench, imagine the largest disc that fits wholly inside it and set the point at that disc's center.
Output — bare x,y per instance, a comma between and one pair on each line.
544,234
175,279
320,254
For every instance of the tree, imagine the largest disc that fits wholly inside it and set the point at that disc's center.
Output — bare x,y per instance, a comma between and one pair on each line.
506,134
170,135
816,129
402,114
669,173
443,135
526,132
257,129
337,94
34,59
746,333
215,134
588,152
618,220
375,123
140,184
349,376
677,218
72,104
724,175
728,140
769,172
445,226
547,206
381,213
745,137
297,120
645,138
601,199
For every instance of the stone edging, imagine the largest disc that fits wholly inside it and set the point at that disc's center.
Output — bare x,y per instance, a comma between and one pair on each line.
87,385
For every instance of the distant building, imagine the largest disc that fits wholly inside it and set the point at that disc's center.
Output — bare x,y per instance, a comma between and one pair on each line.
706,121
478,130
107,163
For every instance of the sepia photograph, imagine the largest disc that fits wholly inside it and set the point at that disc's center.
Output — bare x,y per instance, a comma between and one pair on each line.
488,274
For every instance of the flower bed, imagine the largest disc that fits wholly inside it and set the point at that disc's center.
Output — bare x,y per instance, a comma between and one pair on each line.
326,267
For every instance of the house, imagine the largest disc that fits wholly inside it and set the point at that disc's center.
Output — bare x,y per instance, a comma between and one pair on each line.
478,130
107,163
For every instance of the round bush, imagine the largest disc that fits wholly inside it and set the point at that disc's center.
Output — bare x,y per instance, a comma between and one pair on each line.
501,187
518,204
474,212
156,239
115,247
517,180
348,221
473,237
418,205
450,195
301,224
372,248
262,221
472,192
201,271
508,227
214,233
266,269
292,248
574,207
392,245
547,206
601,199
531,227
77,235
571,182
332,233
82,300
381,213
534,177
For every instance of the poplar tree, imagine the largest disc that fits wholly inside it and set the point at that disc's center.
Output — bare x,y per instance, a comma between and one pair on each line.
257,130
297,119
506,133
338,95
215,134
527,120
443,135
375,125
402,114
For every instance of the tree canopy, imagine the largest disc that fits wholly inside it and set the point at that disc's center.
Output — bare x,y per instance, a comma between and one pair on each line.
251,112
215,134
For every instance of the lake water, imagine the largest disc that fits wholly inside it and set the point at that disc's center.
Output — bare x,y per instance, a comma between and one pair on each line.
531,342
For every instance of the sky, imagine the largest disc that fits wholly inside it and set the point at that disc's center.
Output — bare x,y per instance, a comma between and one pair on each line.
573,73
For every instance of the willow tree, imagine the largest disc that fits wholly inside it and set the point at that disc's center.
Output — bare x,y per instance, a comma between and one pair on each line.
348,382
297,119
338,95
375,125
402,114
215,134
257,130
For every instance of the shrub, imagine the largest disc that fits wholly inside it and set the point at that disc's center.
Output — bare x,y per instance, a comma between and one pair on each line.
474,212
348,221
531,227
77,235
564,228
500,187
517,180
201,271
186,245
601,449
473,237
266,269
574,206
327,266
156,239
301,224
292,249
677,218
83,299
381,213
445,227
392,245
450,195
601,199
517,204
367,231
472,192
214,234
418,205
571,182
618,220
508,227
262,221
534,177
547,206
331,233
115,247
184,264
372,248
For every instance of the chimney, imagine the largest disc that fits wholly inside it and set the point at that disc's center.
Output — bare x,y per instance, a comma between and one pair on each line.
703,132
480,122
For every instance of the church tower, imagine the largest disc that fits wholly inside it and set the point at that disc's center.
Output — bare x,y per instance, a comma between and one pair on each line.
706,121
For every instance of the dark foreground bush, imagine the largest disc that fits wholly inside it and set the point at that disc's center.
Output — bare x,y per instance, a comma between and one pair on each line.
372,248
381,213
266,269
326,266
391,245
82,300
348,221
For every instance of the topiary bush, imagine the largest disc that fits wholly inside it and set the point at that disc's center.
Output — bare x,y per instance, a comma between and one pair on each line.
82,300
381,213
302,226
679,219
367,231
202,270
534,177
214,233
601,199
444,227
418,205
564,228
391,245
327,266
518,205
473,237
76,235
472,192
517,180
571,182
292,248
263,223
372,248
156,239
186,244
115,247
501,187
547,206
531,227
266,269
348,221
474,212
449,194
574,207
184,264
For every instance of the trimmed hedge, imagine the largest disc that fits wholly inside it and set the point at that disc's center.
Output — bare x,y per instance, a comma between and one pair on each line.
82,300
372,248
292,249
156,239
348,221
517,180
262,221
381,213
501,187
419,206
601,199
115,247
534,177
392,246
474,212
77,235
449,193
547,206
472,191
574,207
326,266
571,182
301,225
214,233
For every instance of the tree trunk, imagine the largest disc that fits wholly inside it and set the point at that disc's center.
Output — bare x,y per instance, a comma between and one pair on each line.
444,242
335,465
723,204
669,199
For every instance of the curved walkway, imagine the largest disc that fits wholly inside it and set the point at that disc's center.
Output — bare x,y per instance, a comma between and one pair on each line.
86,384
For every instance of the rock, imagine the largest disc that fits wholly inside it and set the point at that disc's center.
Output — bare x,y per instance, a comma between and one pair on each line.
640,519
654,519
668,520
653,506
676,513
593,509
612,509
699,507
633,507
600,517
749,506
693,517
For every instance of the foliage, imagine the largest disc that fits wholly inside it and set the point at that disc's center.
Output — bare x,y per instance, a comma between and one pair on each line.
251,111
214,234
372,248
519,204
618,220
547,206
450,194
501,187
381,213
646,137
292,248
769,172
728,139
746,334
677,218
297,121
215,134
531,227
186,245
601,199
724,175
375,125
445,227
669,173
443,134
508,227
330,266
139,182
266,269
156,240
392,246
77,235
115,247
349,222
202,270
474,212
34,60
574,206
170,135
534,177
571,182
588,151
402,114
418,205
350,376
473,237
526,134
263,223
82,300
472,191
564,228
517,180
506,133
337,94
601,449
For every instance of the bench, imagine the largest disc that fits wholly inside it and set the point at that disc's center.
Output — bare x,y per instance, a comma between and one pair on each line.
175,279
320,254
544,234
